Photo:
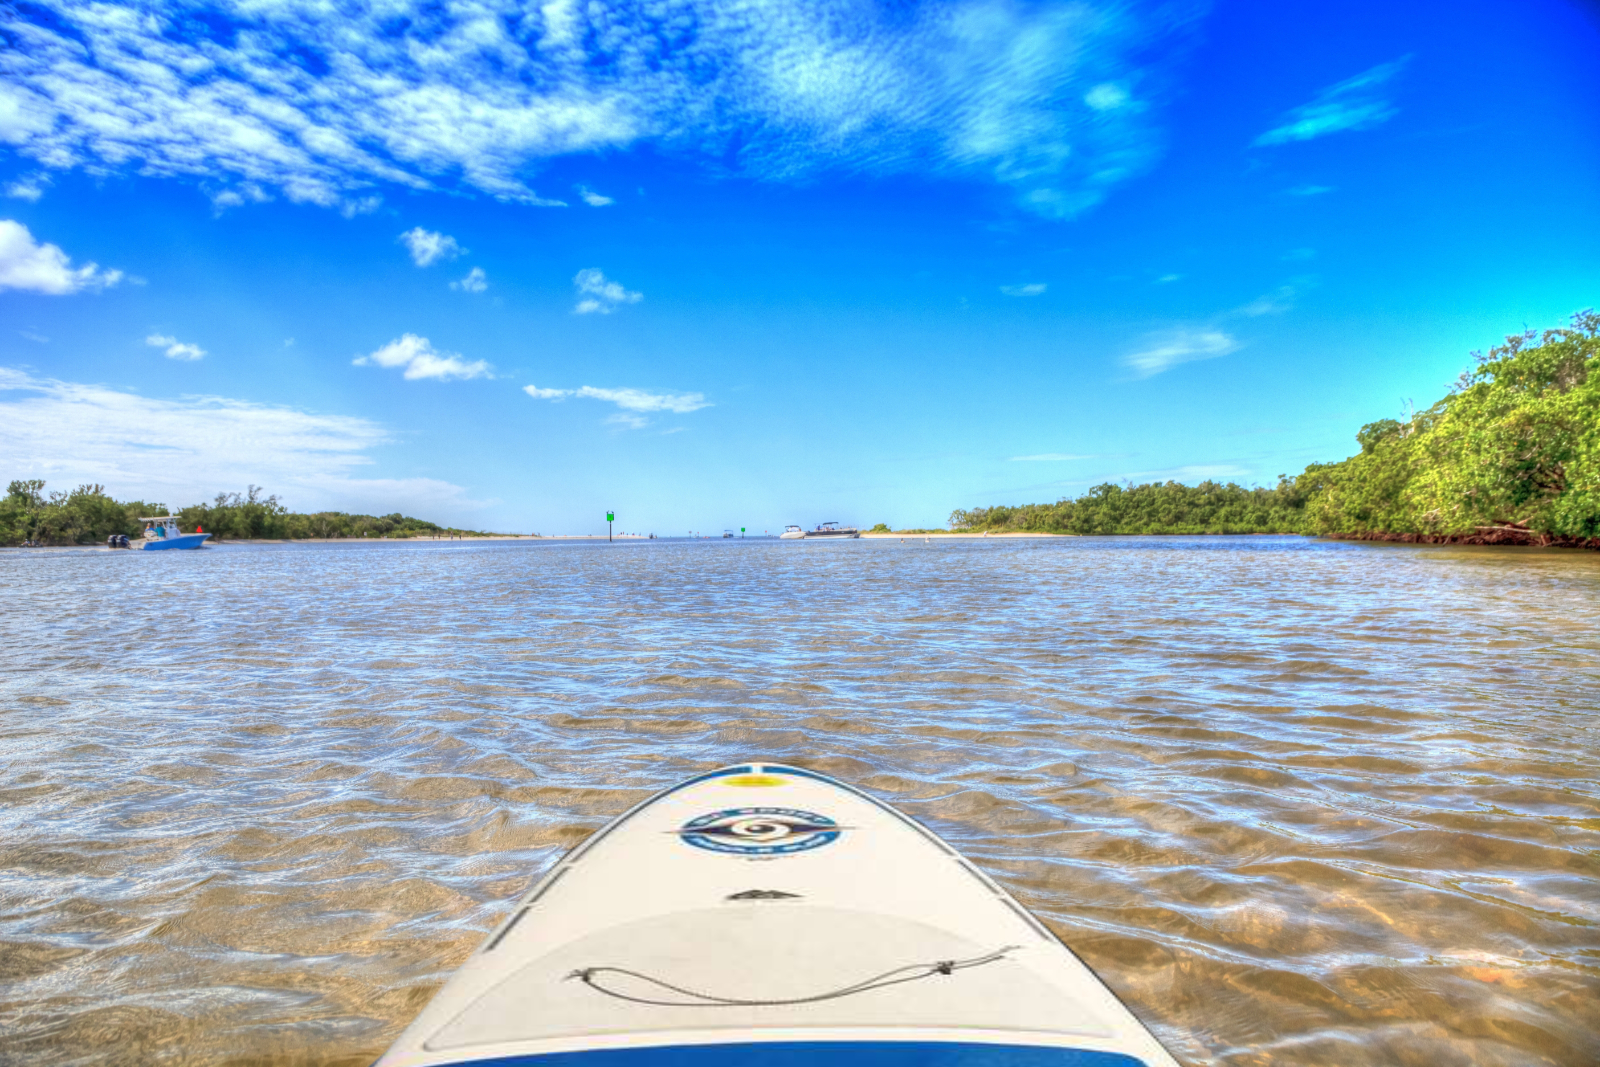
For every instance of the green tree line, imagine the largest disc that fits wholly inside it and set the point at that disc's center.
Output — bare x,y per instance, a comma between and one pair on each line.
1510,456
87,515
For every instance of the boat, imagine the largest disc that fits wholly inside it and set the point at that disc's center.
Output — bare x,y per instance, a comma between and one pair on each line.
161,531
791,533
767,914
832,529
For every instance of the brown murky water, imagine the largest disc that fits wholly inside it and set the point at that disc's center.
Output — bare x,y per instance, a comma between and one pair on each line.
1299,803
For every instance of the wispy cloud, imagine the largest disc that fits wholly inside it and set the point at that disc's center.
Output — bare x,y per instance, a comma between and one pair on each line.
1032,289
628,399
596,294
592,198
639,400
421,360
188,449
44,268
428,247
1276,302
320,103
635,404
1191,472
360,205
1162,350
1309,190
1107,96
238,196
175,349
1354,104
29,187
475,282
1050,457
1166,349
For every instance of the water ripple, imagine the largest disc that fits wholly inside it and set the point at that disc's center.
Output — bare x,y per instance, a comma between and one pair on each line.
1297,802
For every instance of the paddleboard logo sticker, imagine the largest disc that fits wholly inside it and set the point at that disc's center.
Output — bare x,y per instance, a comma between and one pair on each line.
760,831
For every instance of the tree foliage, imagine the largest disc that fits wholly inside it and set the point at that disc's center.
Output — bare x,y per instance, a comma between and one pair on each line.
1511,455
1169,507
85,515
88,516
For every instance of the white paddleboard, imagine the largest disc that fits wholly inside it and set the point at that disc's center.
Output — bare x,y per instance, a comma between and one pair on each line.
769,916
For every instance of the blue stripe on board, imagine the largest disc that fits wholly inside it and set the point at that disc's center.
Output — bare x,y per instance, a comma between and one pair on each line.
829,1053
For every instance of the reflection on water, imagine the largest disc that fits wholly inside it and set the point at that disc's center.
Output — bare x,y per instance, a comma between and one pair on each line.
1297,802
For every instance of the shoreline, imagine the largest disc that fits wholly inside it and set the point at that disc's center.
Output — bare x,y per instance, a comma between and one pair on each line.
965,536
361,540
427,540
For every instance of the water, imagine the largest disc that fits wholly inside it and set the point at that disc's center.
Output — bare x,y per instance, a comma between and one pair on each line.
1297,802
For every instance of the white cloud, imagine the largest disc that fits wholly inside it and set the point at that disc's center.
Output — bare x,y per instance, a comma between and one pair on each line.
1353,104
1165,349
1050,457
427,247
1276,302
43,268
635,403
321,102
1168,348
1106,96
1310,190
1168,278
421,360
189,449
596,294
592,198
475,282
361,205
244,193
1033,289
175,349
29,187
639,400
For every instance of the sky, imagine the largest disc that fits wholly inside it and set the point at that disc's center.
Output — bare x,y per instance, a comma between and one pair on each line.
755,262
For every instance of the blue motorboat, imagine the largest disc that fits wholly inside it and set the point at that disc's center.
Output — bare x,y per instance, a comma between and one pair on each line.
161,531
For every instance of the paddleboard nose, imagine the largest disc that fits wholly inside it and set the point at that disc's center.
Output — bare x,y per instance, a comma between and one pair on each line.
772,908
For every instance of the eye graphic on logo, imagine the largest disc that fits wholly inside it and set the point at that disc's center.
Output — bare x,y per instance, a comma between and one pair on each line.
760,831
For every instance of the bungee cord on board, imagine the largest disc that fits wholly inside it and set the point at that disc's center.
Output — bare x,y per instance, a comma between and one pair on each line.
910,973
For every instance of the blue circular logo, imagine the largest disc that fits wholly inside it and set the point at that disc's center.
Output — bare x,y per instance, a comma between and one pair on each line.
760,831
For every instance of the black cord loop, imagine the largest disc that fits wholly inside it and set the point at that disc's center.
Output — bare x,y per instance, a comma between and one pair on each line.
910,973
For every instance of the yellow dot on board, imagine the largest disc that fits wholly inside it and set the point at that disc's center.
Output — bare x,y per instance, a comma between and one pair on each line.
753,780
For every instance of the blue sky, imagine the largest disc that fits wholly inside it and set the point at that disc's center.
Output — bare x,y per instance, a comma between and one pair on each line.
744,264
